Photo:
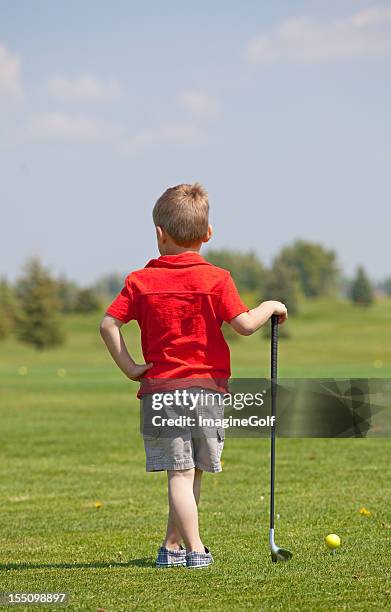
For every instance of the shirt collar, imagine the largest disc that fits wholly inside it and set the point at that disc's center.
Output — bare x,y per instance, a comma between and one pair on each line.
187,258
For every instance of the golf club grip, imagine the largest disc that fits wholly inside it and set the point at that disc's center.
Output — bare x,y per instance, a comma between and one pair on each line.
274,347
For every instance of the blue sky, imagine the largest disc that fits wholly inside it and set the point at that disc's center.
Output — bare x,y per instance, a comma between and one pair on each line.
281,109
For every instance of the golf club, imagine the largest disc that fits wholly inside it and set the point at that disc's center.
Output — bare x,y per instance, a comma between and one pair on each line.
277,553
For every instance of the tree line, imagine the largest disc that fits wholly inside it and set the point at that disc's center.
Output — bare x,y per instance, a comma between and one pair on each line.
301,270
33,308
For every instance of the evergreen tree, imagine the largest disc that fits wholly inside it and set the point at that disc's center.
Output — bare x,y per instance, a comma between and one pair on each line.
86,301
39,318
361,291
7,308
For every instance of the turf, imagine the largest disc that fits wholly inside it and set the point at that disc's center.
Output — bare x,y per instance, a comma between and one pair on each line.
79,514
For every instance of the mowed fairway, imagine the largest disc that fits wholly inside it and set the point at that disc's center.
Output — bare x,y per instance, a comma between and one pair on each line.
80,515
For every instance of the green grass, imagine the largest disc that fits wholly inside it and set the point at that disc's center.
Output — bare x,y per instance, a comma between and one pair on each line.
70,441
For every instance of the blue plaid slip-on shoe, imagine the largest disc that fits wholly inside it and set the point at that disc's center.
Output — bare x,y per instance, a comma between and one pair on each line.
170,558
198,559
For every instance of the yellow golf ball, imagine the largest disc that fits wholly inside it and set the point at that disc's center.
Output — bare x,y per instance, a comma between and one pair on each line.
332,541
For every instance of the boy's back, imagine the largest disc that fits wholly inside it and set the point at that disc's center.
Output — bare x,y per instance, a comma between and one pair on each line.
180,302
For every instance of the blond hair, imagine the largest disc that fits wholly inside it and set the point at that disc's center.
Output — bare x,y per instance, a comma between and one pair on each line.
183,211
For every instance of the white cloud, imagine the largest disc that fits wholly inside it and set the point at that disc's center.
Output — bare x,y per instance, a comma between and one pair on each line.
200,104
83,89
86,129
73,128
365,34
10,83
170,133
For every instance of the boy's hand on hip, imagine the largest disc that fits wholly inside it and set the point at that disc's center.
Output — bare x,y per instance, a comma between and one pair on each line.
137,371
110,329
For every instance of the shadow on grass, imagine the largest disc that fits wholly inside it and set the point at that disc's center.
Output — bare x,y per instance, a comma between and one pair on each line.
144,562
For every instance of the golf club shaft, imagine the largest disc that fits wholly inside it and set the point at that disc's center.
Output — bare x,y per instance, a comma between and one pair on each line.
273,375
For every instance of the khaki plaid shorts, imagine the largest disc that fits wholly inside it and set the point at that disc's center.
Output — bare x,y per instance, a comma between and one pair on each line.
184,447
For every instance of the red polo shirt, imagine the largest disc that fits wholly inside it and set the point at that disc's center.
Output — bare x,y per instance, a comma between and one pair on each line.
180,302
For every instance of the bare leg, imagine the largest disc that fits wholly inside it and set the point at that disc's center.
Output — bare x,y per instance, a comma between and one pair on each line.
183,506
173,537
197,485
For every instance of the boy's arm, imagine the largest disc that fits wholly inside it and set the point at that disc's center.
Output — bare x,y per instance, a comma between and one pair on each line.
110,330
248,322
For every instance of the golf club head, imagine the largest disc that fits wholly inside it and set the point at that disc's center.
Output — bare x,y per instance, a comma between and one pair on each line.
280,554
277,553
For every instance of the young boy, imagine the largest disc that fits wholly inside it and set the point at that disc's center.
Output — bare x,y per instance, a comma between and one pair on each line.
180,302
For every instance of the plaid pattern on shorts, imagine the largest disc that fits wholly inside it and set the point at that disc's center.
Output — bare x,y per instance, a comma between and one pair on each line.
183,448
